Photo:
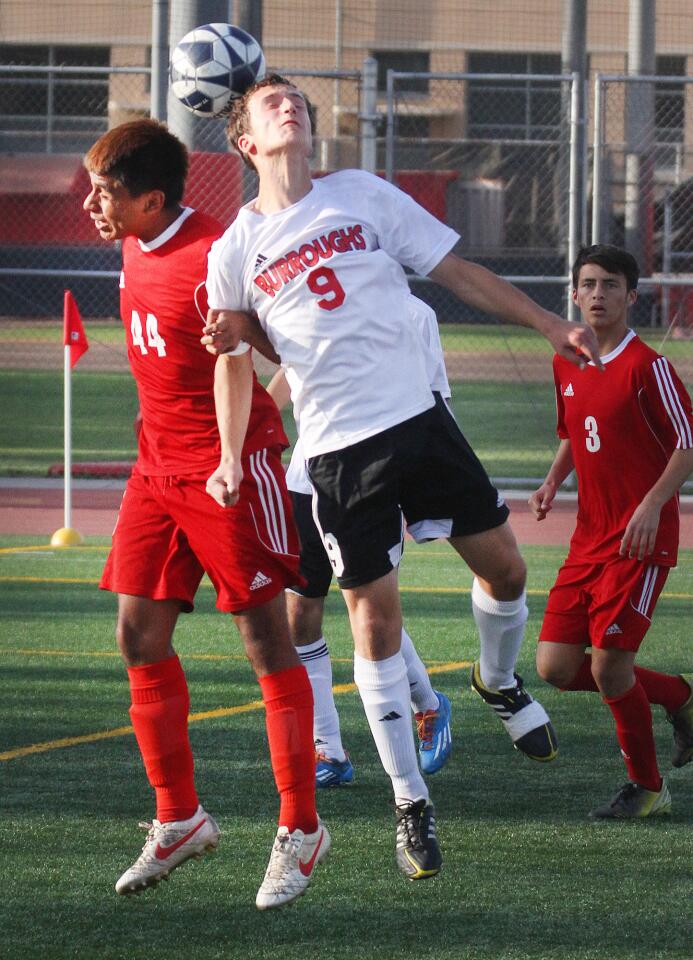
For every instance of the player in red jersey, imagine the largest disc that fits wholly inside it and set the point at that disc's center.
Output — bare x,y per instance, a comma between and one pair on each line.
628,434
169,531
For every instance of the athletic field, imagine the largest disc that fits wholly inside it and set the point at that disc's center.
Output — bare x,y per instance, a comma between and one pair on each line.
525,875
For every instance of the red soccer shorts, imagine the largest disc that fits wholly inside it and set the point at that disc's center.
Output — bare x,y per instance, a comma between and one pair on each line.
170,531
605,605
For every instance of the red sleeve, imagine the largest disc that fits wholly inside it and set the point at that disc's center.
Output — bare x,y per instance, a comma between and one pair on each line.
560,409
668,405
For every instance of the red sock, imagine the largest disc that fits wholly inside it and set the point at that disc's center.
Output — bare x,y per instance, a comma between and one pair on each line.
664,689
159,714
634,731
288,701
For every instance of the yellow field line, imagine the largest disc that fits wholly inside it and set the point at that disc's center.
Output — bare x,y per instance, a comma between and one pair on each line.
193,718
49,548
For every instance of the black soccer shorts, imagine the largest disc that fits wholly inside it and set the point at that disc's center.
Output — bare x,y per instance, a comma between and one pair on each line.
315,566
422,468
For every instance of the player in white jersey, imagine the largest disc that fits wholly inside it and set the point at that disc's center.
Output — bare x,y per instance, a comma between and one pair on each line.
305,604
321,263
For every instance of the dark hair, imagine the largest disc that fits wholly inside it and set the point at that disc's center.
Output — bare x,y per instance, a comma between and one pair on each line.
142,155
609,258
239,116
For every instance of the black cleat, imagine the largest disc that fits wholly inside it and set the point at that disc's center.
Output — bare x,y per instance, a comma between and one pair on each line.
633,802
528,724
417,852
682,722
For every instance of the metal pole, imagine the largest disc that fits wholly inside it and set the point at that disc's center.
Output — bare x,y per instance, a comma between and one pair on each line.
666,260
390,129
159,84
574,61
597,174
247,14
639,133
50,101
67,448
574,204
369,114
337,89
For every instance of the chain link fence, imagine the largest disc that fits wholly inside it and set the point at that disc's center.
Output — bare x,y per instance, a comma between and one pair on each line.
643,187
494,155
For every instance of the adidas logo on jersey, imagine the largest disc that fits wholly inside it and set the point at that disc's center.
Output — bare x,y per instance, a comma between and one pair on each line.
569,392
613,629
260,580
260,260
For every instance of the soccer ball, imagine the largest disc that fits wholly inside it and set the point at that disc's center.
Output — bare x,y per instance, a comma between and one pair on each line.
213,64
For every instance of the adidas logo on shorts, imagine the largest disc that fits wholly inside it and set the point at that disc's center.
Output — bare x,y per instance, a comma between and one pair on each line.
614,628
260,580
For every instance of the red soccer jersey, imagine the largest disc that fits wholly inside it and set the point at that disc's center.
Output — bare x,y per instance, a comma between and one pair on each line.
163,306
623,426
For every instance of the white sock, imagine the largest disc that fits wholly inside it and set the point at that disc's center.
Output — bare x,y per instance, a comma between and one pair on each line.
501,625
384,691
315,657
423,696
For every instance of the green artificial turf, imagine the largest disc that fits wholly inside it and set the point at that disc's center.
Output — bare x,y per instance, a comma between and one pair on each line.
525,877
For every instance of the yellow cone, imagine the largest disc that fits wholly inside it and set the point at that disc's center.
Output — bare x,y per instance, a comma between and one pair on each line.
66,537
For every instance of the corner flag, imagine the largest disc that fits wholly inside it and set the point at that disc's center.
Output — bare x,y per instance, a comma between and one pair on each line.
74,336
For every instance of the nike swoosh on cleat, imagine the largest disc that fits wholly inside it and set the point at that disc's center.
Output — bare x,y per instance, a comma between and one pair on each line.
162,852
306,867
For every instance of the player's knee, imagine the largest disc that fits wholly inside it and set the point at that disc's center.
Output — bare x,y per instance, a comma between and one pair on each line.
132,643
509,577
613,677
139,644
553,669
553,673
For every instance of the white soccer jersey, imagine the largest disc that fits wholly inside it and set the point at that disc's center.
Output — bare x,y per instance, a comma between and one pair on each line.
326,279
425,322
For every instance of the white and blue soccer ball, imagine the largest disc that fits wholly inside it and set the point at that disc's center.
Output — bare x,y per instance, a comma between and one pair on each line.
212,64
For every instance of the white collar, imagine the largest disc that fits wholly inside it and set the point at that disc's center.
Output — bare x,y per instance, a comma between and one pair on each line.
618,349
169,232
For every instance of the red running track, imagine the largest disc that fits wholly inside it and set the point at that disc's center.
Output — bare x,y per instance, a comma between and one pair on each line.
37,510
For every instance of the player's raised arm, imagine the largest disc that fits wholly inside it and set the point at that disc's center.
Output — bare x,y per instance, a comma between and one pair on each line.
233,389
481,288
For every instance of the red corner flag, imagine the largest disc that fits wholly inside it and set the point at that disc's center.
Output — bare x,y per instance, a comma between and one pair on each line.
74,336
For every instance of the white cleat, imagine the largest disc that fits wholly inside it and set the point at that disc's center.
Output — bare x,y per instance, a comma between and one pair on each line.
167,846
292,862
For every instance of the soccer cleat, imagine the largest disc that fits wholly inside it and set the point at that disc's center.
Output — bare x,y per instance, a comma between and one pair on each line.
435,737
528,724
682,721
167,846
417,852
633,802
292,862
333,773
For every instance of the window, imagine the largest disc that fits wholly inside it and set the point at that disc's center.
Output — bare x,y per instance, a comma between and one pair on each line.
35,107
514,109
404,61
670,100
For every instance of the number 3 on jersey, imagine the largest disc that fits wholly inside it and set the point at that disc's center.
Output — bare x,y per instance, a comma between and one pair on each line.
323,282
154,339
592,440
